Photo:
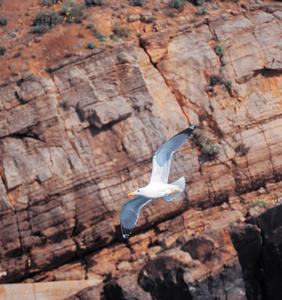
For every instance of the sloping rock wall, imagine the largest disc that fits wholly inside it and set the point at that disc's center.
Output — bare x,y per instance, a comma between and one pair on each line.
76,141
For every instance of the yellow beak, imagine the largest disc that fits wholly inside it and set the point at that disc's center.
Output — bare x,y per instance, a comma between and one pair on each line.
131,194
177,190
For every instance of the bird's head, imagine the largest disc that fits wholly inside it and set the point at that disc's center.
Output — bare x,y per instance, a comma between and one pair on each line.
136,193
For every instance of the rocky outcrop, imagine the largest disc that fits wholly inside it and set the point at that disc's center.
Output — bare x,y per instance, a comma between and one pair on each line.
258,244
75,140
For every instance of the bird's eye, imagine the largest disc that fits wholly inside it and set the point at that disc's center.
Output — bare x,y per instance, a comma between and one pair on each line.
138,191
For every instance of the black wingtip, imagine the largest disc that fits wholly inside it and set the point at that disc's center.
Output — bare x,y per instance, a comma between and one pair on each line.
193,127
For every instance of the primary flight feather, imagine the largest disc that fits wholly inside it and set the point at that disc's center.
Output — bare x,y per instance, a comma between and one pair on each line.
158,186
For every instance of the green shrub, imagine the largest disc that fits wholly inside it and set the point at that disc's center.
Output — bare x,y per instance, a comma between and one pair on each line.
223,62
115,37
121,31
263,202
199,2
228,83
50,2
46,18
93,2
101,37
156,8
219,49
39,29
151,18
216,80
3,21
72,12
90,46
137,2
2,50
201,11
176,3
208,151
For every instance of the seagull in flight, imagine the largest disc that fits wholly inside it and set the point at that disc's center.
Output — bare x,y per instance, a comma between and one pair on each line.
158,186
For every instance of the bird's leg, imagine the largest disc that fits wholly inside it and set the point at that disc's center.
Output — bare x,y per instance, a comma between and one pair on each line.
175,190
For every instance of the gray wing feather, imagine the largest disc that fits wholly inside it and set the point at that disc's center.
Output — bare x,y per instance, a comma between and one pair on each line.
163,156
130,213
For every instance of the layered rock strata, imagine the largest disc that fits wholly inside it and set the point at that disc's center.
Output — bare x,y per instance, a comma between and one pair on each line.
75,140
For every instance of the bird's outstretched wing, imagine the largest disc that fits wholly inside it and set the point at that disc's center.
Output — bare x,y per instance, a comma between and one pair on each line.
130,213
163,156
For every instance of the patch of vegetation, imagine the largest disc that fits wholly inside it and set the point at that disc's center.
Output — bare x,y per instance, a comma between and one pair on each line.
121,30
228,83
50,2
215,80
223,62
198,2
219,49
45,20
90,46
242,149
137,2
208,151
151,18
176,4
263,202
201,11
3,21
39,29
72,12
93,2
115,37
156,8
101,37
2,50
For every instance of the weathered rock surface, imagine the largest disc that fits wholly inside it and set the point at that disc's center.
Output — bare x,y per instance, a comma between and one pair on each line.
75,140
258,244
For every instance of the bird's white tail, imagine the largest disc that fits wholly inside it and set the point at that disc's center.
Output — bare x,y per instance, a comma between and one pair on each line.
179,182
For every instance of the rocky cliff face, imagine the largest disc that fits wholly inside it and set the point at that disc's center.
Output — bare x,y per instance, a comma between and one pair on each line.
75,141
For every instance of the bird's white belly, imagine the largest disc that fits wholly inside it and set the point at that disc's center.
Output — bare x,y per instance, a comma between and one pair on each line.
158,190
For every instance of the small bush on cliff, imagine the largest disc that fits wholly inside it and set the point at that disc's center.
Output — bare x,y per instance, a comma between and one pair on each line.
44,21
263,202
198,2
208,150
137,2
50,2
121,30
3,21
216,80
219,49
2,50
228,83
201,11
176,4
39,29
90,46
151,18
93,2
72,12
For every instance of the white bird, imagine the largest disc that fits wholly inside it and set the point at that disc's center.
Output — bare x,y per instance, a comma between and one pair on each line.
158,186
